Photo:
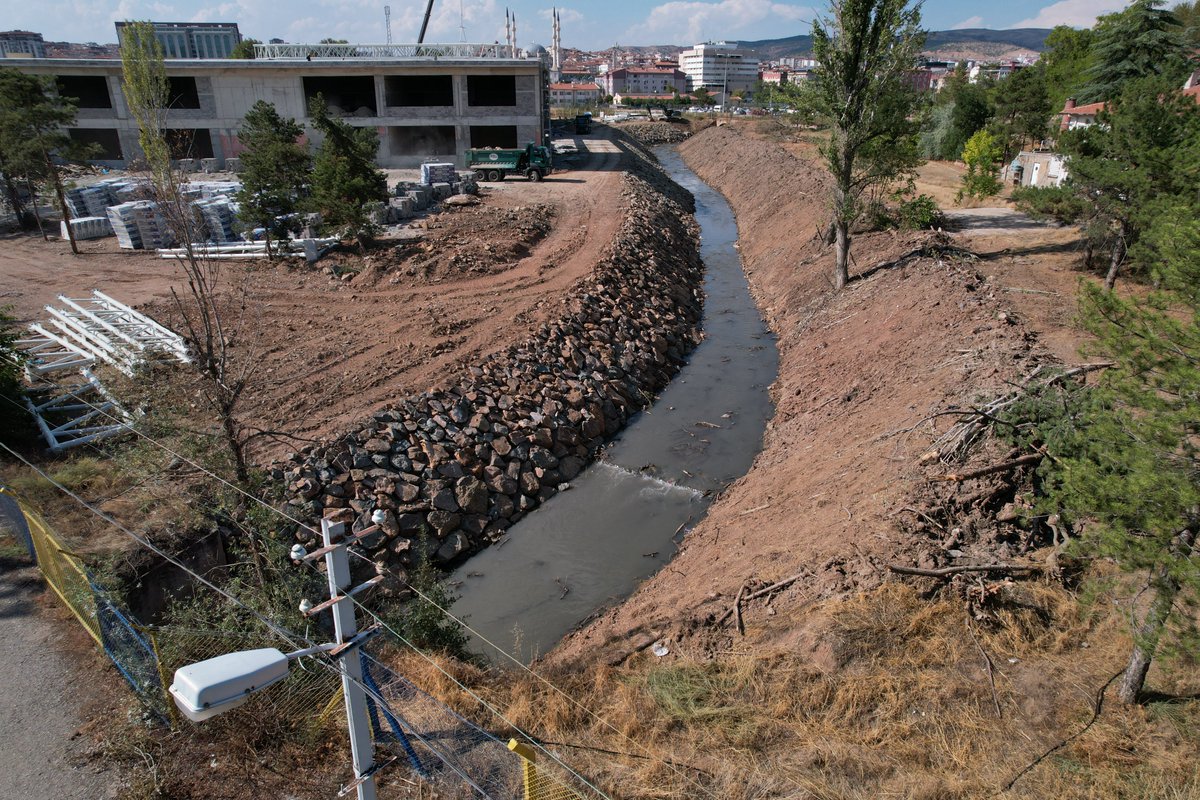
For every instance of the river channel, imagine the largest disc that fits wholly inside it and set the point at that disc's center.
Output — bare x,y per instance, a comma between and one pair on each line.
625,515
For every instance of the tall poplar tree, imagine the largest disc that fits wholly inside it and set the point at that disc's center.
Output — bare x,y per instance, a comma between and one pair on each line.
865,53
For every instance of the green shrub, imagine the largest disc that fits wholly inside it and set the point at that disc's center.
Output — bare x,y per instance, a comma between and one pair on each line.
918,213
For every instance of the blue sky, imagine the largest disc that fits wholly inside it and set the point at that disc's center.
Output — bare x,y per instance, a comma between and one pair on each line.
586,23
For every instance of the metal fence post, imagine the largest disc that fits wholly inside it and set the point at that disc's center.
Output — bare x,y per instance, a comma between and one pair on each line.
528,769
345,626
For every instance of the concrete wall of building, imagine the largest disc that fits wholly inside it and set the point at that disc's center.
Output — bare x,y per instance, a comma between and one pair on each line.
227,89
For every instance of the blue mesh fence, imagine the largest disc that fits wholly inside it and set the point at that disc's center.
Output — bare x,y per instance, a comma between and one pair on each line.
462,759
12,519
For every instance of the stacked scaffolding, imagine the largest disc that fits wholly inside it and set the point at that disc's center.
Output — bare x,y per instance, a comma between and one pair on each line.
73,339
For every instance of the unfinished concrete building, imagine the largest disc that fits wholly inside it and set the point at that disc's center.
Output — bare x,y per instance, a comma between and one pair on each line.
427,102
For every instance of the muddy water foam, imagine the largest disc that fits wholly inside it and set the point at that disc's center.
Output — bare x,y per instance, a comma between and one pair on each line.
623,517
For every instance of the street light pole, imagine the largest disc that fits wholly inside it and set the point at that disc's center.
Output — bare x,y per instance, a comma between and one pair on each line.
345,626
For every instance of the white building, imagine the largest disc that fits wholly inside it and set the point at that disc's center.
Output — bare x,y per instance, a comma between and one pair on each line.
719,66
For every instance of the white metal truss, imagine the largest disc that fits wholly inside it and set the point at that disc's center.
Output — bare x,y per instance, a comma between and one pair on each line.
78,413
128,329
74,338
45,353
458,50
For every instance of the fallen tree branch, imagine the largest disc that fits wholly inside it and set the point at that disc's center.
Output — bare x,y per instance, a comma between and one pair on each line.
1097,707
946,572
1007,466
987,660
737,611
774,587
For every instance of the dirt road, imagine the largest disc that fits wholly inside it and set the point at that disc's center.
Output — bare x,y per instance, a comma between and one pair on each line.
328,349
43,755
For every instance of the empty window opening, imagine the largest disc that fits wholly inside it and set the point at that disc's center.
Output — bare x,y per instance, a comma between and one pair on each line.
491,90
419,90
190,143
107,141
345,96
182,93
493,136
87,91
421,140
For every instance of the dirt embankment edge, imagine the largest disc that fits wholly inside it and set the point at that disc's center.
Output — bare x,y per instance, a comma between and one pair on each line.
456,467
858,370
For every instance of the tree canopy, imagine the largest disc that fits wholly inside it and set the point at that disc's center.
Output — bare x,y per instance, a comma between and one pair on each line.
1141,41
275,171
344,175
865,52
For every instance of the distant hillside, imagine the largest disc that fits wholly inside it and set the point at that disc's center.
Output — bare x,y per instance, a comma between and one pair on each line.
960,41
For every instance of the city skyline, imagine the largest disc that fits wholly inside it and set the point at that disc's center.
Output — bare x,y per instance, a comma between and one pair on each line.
586,25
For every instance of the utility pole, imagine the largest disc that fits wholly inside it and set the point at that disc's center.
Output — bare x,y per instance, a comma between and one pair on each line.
345,629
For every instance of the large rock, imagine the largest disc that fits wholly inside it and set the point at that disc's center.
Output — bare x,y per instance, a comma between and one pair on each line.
472,495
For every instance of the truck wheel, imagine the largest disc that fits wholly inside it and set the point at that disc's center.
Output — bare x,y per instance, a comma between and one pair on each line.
534,175
494,175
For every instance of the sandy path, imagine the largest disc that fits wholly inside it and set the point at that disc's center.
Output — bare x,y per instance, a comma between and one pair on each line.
43,755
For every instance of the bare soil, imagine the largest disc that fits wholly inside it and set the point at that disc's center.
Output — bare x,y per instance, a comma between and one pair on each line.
859,372
330,345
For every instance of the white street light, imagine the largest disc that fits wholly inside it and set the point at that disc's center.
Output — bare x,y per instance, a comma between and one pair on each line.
208,688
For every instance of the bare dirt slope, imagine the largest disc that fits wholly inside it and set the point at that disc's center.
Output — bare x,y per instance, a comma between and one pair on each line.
326,348
858,371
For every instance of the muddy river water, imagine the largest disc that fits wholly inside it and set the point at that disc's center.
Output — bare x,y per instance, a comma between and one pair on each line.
624,516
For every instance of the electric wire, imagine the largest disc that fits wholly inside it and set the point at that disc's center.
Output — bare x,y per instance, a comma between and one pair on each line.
279,631
291,638
661,759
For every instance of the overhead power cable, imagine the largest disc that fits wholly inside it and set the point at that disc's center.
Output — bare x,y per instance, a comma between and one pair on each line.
424,597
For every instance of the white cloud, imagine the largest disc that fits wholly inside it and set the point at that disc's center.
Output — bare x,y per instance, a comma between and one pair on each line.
1076,13
567,15
970,22
691,21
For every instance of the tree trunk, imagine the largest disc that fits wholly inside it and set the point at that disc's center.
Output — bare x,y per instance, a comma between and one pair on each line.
841,269
1147,634
62,200
37,217
1114,264
14,200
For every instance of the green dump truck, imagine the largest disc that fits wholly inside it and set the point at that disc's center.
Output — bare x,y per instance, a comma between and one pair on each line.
494,163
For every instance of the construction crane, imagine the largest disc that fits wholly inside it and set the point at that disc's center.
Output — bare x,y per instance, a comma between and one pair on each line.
387,22
425,24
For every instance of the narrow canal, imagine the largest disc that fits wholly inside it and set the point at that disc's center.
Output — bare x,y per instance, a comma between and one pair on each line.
624,516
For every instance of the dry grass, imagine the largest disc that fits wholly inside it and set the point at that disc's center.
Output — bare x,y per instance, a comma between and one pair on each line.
901,708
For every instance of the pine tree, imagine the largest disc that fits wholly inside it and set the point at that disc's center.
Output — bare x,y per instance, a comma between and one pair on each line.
344,177
865,53
1141,41
1128,468
1140,155
33,118
275,171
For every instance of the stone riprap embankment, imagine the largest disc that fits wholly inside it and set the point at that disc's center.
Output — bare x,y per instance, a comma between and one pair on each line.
652,133
454,468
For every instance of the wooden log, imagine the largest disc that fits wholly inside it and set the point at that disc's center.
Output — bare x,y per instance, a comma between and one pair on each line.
1007,466
946,572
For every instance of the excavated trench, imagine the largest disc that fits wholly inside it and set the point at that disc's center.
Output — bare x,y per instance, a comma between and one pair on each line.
624,516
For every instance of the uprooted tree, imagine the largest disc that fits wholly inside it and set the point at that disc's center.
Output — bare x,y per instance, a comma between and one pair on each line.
865,53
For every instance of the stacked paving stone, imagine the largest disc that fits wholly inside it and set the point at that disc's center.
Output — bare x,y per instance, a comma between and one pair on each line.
86,228
438,173
220,217
452,470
